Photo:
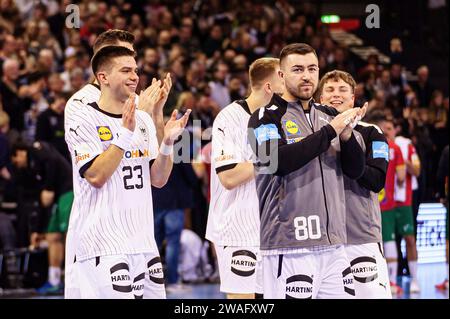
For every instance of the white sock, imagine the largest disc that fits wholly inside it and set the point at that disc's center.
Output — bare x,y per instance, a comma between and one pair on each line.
54,275
412,265
393,267
391,254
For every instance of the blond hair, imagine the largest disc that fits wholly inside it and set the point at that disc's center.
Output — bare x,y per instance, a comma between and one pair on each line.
261,69
336,75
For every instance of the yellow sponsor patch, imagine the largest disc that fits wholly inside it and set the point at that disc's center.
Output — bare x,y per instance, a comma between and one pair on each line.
381,195
104,133
291,127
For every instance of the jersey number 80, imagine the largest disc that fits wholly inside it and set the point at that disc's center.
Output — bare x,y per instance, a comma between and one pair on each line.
307,227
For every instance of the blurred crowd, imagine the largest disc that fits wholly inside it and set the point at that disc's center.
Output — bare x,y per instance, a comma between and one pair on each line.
207,47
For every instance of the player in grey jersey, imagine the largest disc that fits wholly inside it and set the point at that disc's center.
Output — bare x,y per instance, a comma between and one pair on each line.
303,149
364,241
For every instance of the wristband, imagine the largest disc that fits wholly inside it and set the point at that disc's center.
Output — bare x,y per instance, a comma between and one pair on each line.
123,139
165,149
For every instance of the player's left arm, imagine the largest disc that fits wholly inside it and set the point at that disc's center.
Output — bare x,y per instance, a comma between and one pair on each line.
400,168
413,164
352,158
377,160
162,166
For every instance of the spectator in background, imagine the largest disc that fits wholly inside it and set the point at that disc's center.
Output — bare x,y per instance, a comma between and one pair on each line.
50,125
13,100
77,80
41,177
219,90
384,84
4,146
38,104
396,51
149,64
438,120
422,87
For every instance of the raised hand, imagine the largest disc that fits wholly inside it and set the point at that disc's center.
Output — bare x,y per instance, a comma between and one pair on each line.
174,127
129,113
342,120
164,94
150,97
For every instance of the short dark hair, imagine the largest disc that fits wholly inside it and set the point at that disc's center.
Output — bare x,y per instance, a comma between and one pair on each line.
296,48
105,54
19,145
376,117
112,37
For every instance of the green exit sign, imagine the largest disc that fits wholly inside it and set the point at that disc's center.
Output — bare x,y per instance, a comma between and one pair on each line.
330,18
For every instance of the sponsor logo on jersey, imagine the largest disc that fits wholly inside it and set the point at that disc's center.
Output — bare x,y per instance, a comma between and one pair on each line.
294,140
144,133
299,287
81,157
155,270
347,280
380,150
266,132
136,153
120,277
382,196
291,127
138,286
243,263
104,132
223,157
74,130
81,153
364,269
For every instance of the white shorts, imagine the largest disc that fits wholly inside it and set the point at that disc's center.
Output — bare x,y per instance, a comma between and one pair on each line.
319,274
240,269
134,276
71,285
370,273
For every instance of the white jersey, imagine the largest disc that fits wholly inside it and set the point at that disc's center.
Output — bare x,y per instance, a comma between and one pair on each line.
233,218
77,102
118,217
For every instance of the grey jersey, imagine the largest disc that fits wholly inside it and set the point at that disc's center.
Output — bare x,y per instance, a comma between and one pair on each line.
361,196
302,204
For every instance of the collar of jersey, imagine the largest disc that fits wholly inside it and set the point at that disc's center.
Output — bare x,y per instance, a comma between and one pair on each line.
96,107
278,100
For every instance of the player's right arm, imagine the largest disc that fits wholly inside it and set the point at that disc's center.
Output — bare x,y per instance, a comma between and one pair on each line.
104,166
230,162
240,173
270,146
94,164
400,168
106,163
